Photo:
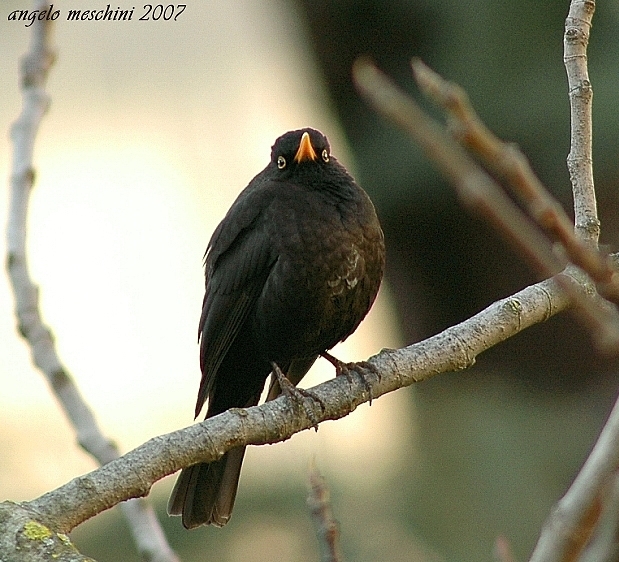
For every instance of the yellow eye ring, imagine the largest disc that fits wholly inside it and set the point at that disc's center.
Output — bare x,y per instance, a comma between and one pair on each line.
281,162
325,155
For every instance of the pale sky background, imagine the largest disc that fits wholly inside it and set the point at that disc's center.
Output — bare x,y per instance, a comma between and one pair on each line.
153,130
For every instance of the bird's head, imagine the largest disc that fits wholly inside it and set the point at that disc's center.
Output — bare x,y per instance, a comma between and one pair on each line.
299,148
304,158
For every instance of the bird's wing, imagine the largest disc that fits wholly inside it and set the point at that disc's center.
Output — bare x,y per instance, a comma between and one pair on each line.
238,261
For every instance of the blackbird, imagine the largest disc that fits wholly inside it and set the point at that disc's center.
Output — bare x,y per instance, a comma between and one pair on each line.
291,270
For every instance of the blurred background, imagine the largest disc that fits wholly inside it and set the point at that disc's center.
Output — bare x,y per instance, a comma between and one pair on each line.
153,130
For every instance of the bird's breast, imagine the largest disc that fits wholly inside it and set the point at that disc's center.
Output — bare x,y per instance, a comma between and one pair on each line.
323,282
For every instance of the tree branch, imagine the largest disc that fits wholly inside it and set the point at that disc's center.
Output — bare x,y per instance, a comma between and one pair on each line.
580,158
454,349
24,539
476,189
567,530
604,544
569,527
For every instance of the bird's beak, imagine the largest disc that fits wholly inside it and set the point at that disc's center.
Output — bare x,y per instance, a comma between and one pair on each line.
306,150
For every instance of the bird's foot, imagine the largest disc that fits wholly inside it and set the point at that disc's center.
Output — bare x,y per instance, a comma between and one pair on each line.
368,372
297,394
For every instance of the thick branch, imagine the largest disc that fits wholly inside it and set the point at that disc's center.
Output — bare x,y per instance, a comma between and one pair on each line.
24,539
134,474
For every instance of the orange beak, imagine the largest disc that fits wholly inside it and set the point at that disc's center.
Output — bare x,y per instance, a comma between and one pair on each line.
306,150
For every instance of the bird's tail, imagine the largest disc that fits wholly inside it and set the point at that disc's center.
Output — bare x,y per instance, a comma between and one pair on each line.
204,493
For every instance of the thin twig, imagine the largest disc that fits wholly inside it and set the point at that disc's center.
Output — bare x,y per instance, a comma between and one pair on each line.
580,158
35,67
570,525
604,544
476,189
327,528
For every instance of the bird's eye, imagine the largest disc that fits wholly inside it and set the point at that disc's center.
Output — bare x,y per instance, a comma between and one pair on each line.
325,155
281,162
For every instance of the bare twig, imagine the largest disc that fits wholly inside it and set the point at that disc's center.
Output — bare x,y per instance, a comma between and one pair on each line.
479,192
327,529
580,158
510,164
570,525
35,66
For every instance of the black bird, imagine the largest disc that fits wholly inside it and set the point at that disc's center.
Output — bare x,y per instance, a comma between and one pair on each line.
291,270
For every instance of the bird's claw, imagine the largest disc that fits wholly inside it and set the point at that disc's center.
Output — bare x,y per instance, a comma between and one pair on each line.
367,371
297,394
